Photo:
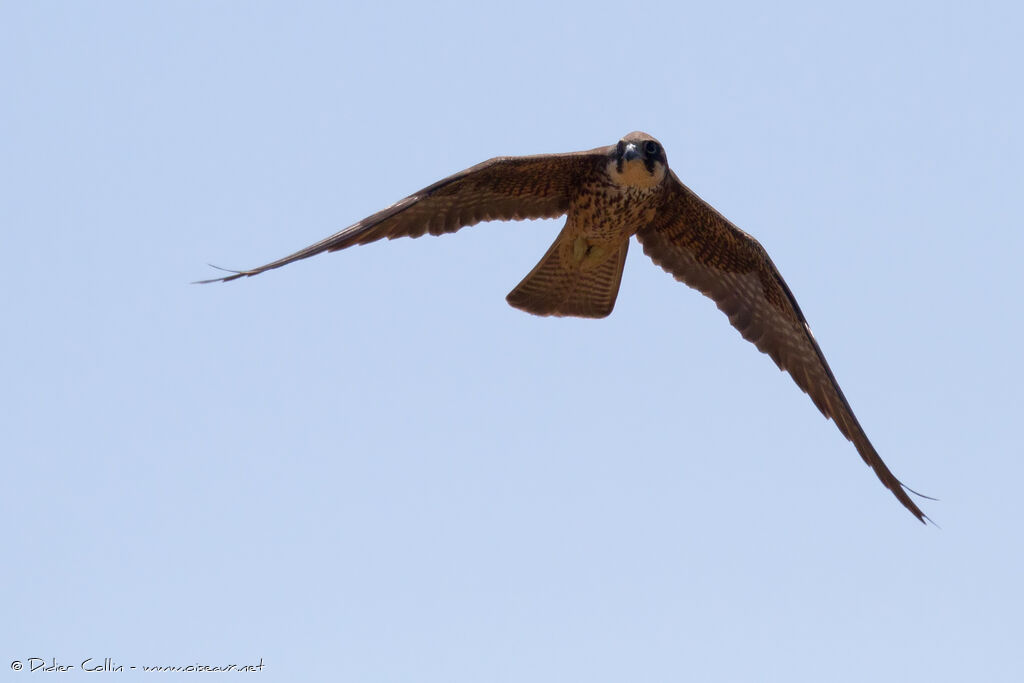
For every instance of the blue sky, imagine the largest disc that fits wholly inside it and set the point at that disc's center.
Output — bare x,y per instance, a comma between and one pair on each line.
368,467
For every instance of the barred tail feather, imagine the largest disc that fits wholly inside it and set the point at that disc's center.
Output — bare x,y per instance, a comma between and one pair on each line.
563,286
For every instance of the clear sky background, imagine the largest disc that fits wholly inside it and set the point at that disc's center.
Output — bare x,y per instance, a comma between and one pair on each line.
367,467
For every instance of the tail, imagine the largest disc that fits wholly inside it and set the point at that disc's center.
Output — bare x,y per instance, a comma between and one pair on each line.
573,278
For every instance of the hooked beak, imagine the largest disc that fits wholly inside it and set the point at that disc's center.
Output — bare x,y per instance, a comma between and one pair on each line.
631,152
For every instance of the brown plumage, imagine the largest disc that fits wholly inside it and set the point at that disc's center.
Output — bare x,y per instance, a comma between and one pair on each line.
609,194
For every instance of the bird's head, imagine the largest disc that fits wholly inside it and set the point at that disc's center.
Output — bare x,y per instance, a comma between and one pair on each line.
638,161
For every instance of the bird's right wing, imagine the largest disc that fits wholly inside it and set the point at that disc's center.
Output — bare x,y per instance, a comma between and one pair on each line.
503,188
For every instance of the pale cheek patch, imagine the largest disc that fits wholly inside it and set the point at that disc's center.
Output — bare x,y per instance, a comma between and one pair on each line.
635,174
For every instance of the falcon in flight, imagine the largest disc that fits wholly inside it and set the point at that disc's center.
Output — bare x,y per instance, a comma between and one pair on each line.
608,195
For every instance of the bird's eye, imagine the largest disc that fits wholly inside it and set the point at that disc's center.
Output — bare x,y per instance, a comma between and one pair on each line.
621,147
650,147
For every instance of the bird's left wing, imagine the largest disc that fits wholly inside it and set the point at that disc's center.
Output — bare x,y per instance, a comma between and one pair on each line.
503,188
701,248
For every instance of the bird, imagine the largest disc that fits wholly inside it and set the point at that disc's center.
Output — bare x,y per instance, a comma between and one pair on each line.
608,195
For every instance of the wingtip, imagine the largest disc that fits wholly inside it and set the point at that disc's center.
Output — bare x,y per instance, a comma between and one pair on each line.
913,507
235,274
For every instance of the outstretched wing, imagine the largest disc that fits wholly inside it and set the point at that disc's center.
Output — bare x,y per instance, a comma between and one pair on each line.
697,245
503,188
